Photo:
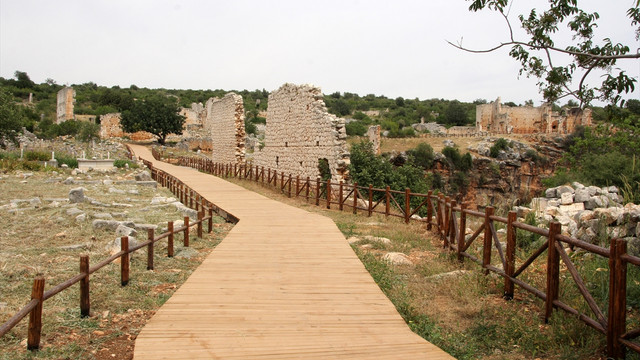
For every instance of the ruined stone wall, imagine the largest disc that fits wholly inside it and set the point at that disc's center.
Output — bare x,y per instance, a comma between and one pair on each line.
373,133
500,119
461,130
66,99
110,128
300,132
225,123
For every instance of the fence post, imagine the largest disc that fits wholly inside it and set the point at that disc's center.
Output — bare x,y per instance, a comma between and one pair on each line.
85,305
553,270
486,245
462,230
297,185
35,316
370,207
200,217
510,256
407,205
307,190
328,193
186,231
429,210
453,237
281,181
617,299
150,249
340,196
210,219
317,191
355,198
447,213
289,185
170,239
387,201
124,261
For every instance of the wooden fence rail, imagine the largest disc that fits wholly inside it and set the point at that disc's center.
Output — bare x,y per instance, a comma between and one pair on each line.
443,215
188,197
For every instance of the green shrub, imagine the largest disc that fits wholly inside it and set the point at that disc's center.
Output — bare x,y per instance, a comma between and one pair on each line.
9,155
120,163
37,156
422,156
70,161
356,128
500,144
31,165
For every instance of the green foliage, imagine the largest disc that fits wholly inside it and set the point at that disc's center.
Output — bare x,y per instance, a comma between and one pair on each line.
249,127
88,131
537,51
422,156
324,170
500,144
69,160
525,239
37,156
156,115
463,163
456,114
120,163
11,118
356,128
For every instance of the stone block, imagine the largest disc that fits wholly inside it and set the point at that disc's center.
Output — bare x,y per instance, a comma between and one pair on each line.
565,189
582,195
566,198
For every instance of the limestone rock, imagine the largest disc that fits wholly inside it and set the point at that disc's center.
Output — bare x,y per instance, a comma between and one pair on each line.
143,176
123,230
76,195
377,239
397,258
566,198
582,195
104,216
69,181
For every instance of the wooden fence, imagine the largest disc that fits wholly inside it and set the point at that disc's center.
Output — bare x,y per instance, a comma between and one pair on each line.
450,220
187,196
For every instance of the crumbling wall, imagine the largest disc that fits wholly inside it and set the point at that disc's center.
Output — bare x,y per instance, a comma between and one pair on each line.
110,127
500,119
462,130
225,123
373,133
300,133
66,99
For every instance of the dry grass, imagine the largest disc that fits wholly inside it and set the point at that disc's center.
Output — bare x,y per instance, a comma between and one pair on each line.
33,241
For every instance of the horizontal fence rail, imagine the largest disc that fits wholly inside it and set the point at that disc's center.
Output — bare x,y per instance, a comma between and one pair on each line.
449,219
187,196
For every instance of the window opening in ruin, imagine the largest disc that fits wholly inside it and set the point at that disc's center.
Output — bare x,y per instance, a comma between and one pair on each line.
277,160
317,143
300,163
323,169
286,144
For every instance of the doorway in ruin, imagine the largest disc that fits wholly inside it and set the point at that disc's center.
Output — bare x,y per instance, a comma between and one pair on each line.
323,169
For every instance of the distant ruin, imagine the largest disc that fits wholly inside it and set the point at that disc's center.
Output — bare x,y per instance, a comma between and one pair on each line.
225,124
500,119
373,133
66,100
110,127
300,134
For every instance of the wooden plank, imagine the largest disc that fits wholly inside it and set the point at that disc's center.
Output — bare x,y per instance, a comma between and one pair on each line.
287,286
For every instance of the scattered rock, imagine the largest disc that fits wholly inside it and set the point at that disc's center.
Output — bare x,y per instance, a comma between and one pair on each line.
377,239
353,239
113,190
104,216
143,176
397,258
76,195
122,230
69,181
74,211
448,274
81,218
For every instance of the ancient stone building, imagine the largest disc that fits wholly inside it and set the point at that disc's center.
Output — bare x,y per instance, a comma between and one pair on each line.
66,99
110,128
300,134
225,122
500,119
373,133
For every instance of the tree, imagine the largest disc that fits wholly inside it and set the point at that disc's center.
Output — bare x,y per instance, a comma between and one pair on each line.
23,81
157,115
456,114
539,55
10,117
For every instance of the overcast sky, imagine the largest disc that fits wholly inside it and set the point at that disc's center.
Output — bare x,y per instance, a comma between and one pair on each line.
392,48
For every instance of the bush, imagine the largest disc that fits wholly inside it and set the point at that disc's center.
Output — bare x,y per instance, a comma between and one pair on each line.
456,161
422,156
88,131
356,128
70,161
37,156
501,144
120,163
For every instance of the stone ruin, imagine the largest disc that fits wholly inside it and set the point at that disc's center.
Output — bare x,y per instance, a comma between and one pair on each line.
500,119
194,135
373,133
66,99
110,128
300,134
225,124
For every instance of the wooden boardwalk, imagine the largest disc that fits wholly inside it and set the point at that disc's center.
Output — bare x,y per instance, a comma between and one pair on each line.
283,284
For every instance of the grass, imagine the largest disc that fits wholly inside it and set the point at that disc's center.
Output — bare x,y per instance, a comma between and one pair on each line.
465,314
33,240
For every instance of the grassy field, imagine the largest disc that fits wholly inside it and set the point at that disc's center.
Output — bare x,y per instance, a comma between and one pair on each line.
41,238
455,305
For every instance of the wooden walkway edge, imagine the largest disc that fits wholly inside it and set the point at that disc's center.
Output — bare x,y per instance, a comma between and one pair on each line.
283,284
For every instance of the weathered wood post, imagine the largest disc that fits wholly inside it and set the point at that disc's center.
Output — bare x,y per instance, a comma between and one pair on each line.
124,261
289,185
407,205
355,198
150,237
387,201
617,299
85,305
307,190
35,316
186,231
340,195
429,210
462,231
510,256
553,270
318,191
486,244
297,185
210,227
370,197
170,239
200,217
328,193
451,239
